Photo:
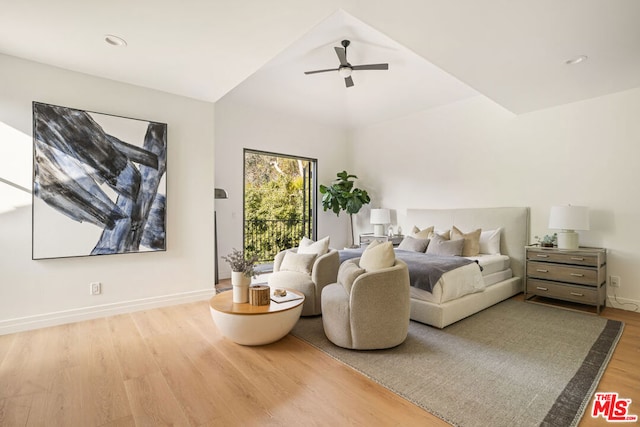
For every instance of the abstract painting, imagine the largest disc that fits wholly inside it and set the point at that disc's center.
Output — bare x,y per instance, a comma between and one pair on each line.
99,183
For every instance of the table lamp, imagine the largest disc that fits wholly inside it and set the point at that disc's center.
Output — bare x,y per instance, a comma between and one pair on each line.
567,219
379,218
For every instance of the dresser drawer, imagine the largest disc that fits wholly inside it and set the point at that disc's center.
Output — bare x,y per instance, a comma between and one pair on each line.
562,273
562,291
588,260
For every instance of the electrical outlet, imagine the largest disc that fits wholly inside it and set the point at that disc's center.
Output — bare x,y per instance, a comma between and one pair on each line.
95,288
614,281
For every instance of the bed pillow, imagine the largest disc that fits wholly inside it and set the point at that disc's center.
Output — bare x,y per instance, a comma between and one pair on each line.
348,273
301,263
421,234
378,256
445,234
440,246
413,244
308,246
490,242
471,246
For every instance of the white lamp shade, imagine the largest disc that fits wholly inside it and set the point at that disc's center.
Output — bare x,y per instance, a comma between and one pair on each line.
380,216
569,218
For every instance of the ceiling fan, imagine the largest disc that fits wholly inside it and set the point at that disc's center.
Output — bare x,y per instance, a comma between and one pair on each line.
345,69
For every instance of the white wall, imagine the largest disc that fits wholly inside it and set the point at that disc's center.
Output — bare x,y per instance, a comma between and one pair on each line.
44,292
476,154
240,126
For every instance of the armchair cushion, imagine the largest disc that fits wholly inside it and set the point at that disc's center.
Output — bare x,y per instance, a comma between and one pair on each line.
378,256
301,263
348,273
308,246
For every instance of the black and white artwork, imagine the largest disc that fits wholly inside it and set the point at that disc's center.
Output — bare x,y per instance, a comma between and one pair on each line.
99,184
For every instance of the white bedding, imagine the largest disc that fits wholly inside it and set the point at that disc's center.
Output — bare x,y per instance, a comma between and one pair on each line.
492,263
514,225
467,279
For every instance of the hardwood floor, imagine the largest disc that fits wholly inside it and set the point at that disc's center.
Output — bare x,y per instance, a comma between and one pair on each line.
170,366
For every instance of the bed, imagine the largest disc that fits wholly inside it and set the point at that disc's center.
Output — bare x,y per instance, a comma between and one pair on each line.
468,289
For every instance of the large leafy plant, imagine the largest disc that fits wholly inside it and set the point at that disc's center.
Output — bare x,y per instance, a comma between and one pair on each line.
342,196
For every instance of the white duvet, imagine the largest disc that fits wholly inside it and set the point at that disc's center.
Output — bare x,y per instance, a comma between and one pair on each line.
467,279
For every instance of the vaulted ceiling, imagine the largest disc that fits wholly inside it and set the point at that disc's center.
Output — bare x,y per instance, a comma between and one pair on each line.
438,51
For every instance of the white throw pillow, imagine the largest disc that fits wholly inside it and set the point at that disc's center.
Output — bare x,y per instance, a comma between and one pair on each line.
308,246
490,242
301,263
378,256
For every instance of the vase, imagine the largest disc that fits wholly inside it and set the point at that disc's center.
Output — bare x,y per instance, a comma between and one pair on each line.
240,284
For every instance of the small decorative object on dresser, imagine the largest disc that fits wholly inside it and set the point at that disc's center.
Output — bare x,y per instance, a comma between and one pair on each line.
576,275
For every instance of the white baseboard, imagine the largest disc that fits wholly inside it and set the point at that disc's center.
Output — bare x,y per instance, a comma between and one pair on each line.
11,326
623,303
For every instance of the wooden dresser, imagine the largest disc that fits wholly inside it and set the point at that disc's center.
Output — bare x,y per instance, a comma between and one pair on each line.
576,275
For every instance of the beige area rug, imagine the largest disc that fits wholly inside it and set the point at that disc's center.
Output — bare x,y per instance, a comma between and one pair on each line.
514,364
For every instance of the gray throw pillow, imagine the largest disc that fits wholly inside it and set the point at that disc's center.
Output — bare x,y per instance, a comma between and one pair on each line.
440,246
413,244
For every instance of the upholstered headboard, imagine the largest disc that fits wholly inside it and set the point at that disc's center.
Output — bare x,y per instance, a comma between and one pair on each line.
514,223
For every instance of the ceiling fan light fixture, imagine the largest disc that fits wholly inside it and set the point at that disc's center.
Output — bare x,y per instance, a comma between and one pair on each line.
345,72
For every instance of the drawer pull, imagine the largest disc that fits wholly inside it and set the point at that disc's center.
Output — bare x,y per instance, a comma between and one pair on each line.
576,294
539,270
540,288
577,274
577,258
542,256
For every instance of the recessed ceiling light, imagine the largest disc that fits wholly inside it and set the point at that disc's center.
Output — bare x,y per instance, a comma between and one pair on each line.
115,40
576,60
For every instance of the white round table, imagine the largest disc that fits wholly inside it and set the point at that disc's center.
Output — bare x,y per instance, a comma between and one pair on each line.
248,324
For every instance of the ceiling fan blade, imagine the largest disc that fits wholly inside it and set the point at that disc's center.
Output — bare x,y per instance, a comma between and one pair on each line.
348,81
371,67
342,55
321,71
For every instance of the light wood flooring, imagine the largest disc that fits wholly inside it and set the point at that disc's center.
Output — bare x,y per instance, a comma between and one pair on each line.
170,366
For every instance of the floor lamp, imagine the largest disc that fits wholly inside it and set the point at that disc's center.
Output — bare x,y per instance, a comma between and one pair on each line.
219,193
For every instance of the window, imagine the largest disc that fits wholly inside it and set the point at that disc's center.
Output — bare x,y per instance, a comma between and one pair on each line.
279,202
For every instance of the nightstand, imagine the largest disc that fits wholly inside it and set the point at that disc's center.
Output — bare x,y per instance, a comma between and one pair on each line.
574,275
367,238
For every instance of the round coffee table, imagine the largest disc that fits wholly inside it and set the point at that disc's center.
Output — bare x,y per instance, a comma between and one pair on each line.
248,324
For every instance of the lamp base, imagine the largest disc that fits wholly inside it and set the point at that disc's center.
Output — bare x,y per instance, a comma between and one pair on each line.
567,239
378,230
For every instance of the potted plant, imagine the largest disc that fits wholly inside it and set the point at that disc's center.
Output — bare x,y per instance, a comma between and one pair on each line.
548,240
342,196
242,270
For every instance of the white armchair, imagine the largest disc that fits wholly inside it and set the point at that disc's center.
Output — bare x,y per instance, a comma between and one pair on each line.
308,278
367,310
